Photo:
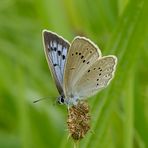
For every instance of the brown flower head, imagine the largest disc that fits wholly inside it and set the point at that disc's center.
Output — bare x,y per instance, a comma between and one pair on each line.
78,120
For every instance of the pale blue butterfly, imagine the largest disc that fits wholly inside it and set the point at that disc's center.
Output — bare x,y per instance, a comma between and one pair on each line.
79,70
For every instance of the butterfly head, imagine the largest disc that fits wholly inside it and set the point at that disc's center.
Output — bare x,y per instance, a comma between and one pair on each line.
61,100
67,101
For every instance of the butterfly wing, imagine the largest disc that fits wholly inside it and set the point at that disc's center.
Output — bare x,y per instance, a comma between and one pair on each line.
97,77
81,56
56,49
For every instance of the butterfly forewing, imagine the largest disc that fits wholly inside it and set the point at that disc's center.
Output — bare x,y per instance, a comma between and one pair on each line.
82,54
96,77
56,49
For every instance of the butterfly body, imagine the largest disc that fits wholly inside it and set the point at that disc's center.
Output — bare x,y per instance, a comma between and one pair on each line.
73,100
79,70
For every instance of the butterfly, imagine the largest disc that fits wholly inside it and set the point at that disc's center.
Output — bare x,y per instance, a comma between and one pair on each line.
79,69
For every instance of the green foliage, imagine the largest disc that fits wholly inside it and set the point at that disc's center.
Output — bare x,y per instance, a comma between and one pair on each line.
119,113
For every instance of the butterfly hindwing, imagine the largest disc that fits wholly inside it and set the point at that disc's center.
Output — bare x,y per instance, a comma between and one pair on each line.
96,77
82,54
56,49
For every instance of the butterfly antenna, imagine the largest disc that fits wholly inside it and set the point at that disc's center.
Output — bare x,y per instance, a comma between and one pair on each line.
36,101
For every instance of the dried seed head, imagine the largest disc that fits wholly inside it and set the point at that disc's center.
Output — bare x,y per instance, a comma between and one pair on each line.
78,120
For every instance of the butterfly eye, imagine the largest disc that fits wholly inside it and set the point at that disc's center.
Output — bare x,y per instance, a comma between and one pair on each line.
62,100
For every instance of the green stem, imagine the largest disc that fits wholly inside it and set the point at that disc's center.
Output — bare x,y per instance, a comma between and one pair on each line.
76,144
129,115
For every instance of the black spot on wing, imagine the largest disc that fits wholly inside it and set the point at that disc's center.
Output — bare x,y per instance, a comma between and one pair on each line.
63,57
82,57
50,48
59,52
55,64
55,48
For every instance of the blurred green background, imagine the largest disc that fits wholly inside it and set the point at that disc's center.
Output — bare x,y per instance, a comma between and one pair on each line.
119,113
